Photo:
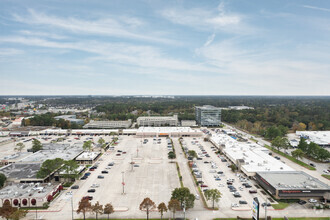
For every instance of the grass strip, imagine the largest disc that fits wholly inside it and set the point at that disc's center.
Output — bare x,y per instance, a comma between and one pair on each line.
179,173
280,205
327,176
290,158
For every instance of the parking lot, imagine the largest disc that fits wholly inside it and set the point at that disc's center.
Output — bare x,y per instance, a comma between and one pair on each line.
151,176
214,174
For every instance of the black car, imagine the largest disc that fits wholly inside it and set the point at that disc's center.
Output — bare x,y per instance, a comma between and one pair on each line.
83,178
311,164
88,197
219,172
75,187
104,171
302,202
111,164
223,160
206,162
91,190
199,158
266,204
242,202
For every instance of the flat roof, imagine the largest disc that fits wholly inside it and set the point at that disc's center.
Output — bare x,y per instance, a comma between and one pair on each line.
88,155
43,155
293,180
167,130
27,190
256,157
206,107
17,171
318,137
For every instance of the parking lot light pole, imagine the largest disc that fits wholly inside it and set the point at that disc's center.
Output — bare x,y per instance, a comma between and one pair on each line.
72,205
123,182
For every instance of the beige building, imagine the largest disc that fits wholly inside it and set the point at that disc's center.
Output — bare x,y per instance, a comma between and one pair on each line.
157,121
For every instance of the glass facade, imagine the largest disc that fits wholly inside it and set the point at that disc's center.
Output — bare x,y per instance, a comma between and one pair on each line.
208,115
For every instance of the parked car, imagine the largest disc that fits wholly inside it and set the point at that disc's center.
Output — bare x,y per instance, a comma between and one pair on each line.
104,171
302,202
252,191
100,177
88,197
311,164
242,202
91,190
75,187
136,165
265,204
83,178
312,200
204,185
234,205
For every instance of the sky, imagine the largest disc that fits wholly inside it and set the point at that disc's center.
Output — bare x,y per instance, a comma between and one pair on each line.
164,47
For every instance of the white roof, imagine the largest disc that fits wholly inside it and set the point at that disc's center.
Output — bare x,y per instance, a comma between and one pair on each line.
255,156
167,130
88,156
318,137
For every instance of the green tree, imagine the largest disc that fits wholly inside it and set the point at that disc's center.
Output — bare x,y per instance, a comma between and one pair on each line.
108,209
49,166
173,206
162,208
184,196
97,209
192,154
36,145
146,205
87,146
213,194
303,145
3,179
102,143
272,132
298,153
280,142
171,155
19,147
84,207
70,167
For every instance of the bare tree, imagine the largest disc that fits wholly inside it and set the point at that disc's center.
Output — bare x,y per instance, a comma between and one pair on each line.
84,206
108,209
97,209
162,208
173,206
146,205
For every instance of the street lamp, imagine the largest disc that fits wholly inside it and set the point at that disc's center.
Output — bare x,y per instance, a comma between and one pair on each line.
123,182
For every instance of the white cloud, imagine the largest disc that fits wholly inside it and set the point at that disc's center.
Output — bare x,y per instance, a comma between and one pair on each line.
217,19
124,28
209,40
316,8
10,52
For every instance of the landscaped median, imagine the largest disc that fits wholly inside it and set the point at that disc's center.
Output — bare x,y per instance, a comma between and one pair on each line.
326,176
290,158
293,218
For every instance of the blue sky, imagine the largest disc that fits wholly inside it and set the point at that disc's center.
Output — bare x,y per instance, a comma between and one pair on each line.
152,47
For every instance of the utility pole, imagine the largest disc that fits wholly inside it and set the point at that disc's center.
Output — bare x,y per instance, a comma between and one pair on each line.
266,209
72,205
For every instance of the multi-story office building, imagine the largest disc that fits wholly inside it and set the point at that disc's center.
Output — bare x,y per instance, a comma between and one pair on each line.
158,121
109,124
208,115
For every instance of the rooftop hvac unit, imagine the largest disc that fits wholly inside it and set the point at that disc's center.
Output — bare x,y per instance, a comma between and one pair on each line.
265,161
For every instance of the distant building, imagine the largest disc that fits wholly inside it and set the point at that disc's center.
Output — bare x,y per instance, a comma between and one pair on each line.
321,138
241,107
188,123
109,124
144,132
157,121
71,119
208,115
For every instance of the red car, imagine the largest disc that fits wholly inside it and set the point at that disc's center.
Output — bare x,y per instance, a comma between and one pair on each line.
124,152
91,169
118,154
203,185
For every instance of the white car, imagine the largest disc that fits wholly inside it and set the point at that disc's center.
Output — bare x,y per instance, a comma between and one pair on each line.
325,171
234,205
95,185
312,200
197,197
213,171
221,185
